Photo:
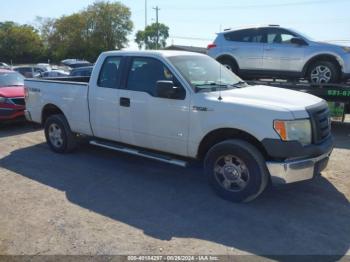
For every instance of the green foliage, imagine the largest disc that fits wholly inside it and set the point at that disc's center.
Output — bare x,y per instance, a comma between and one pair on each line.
19,43
100,27
148,37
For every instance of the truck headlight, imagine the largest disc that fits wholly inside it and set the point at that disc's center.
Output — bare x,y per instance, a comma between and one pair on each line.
2,100
294,130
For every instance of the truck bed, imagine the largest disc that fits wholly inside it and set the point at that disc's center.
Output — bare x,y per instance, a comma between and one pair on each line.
70,93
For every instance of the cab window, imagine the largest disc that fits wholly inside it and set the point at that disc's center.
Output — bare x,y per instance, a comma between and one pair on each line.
110,73
144,73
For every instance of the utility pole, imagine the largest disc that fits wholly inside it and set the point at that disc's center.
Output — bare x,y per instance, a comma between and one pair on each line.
157,24
145,14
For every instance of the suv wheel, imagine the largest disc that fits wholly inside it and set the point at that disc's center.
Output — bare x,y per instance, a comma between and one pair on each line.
229,64
58,134
236,170
323,72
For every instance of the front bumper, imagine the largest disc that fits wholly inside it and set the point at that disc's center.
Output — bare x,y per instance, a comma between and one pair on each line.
11,113
291,171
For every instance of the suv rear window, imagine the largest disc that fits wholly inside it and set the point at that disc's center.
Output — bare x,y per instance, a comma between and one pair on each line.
246,35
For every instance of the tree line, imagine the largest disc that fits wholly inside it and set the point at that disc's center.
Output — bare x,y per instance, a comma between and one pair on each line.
100,27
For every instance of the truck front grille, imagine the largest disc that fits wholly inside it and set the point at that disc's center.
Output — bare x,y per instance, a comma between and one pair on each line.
320,122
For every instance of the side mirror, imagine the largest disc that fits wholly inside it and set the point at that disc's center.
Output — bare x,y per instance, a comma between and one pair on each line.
167,89
298,41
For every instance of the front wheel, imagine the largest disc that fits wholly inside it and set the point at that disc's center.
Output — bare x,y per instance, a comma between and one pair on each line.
236,170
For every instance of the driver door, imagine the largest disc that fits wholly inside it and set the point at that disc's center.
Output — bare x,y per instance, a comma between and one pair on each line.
147,120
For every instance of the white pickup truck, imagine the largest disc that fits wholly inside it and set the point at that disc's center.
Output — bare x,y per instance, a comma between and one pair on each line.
178,106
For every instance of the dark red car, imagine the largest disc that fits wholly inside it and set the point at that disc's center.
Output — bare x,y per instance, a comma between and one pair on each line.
11,95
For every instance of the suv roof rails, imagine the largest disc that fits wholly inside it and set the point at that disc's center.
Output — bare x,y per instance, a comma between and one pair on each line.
274,25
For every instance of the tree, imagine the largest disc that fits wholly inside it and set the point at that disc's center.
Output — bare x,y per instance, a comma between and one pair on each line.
19,43
148,38
100,27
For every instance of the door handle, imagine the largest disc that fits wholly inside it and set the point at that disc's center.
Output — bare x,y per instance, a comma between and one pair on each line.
125,102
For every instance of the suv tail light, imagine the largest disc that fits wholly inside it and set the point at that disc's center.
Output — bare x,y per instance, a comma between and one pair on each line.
210,46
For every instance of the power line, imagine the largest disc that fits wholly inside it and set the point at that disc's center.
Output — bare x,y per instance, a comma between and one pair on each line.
258,6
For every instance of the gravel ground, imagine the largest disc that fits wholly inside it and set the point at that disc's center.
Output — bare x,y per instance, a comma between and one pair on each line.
96,201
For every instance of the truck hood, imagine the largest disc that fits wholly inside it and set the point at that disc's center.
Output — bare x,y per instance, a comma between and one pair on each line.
12,91
268,97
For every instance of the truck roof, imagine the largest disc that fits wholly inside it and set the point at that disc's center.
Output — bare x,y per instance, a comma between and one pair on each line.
164,53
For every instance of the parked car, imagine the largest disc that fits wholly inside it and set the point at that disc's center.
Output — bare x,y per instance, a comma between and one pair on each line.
273,51
76,63
46,67
55,73
82,71
11,95
188,106
29,71
4,66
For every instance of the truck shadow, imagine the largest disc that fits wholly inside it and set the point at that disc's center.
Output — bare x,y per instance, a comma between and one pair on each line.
8,129
341,133
168,202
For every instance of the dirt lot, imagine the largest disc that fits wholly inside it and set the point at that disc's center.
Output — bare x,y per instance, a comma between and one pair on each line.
100,202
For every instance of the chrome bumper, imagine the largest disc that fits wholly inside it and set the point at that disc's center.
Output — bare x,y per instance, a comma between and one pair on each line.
297,170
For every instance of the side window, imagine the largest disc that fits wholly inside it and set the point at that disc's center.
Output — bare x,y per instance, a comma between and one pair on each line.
247,35
144,74
110,73
278,36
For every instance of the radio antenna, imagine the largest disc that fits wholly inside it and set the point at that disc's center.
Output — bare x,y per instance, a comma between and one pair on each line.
220,97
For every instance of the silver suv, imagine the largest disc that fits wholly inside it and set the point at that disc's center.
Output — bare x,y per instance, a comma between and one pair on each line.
276,52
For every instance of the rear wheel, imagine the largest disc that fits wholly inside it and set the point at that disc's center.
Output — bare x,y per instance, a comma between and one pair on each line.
323,72
59,135
236,170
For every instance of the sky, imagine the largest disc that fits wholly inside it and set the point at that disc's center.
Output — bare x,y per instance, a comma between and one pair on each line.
195,23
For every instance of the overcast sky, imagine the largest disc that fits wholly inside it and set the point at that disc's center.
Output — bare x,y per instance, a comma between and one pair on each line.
196,22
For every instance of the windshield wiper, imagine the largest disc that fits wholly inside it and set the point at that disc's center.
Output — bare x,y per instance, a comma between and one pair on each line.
212,86
240,84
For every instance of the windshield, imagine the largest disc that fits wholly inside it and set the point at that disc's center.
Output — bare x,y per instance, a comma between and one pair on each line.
11,79
303,35
204,73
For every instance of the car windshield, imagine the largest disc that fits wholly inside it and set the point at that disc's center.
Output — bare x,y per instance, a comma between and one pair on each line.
206,74
303,35
11,79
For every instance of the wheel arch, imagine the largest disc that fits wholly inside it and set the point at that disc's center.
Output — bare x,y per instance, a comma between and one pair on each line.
322,57
49,110
230,57
219,135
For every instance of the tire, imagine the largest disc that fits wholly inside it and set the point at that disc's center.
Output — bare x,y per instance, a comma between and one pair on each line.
229,64
245,158
59,135
323,72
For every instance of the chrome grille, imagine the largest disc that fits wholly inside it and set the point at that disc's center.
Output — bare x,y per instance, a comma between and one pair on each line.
18,101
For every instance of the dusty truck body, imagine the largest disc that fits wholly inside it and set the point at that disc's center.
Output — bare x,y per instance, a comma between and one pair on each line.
178,106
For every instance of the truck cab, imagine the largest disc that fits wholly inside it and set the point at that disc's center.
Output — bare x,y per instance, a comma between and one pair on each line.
176,107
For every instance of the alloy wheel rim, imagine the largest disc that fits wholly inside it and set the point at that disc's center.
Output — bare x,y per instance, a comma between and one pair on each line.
231,173
55,135
321,74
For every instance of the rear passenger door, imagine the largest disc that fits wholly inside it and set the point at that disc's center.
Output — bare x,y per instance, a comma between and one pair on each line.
246,46
147,120
104,99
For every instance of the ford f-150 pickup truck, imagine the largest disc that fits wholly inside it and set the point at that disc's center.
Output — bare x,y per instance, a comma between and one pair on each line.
175,107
